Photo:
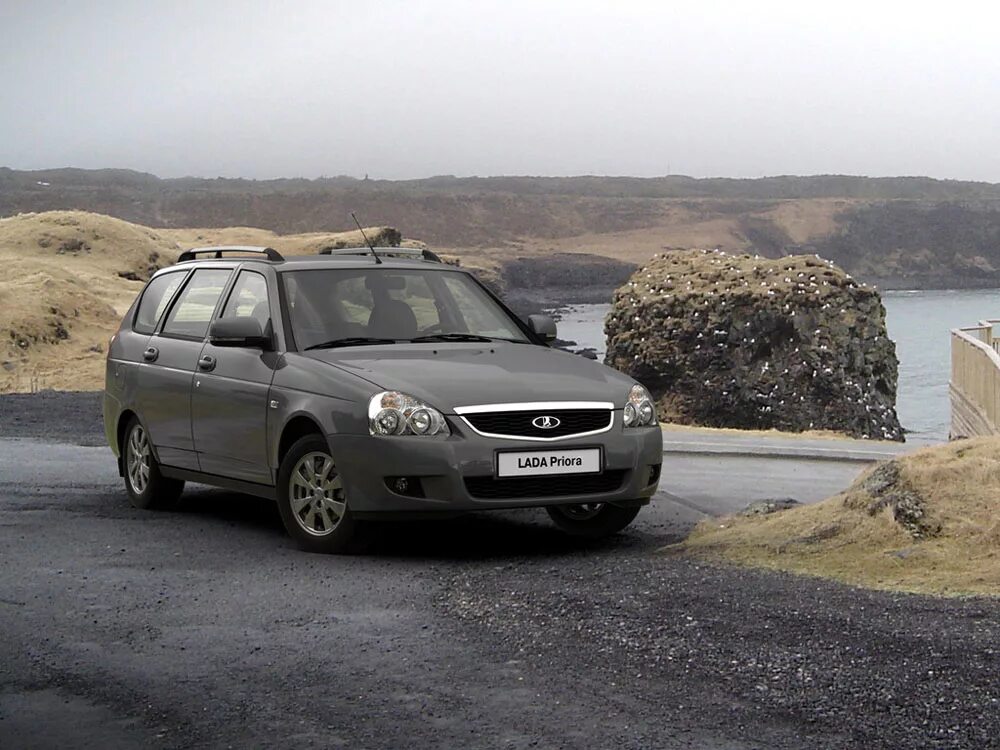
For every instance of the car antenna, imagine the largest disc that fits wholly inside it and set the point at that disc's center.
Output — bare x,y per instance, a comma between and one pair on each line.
378,261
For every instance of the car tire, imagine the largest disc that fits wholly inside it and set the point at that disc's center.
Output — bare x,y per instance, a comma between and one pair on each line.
592,520
147,488
311,499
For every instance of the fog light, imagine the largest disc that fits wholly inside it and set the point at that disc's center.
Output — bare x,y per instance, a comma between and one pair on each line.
405,486
654,474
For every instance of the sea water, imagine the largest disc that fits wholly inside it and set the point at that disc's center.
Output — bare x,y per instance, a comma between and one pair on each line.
918,321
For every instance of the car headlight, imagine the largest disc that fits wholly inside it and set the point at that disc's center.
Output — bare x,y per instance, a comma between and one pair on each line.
394,413
639,411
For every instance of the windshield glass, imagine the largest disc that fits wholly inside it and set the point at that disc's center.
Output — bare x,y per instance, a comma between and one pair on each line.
327,305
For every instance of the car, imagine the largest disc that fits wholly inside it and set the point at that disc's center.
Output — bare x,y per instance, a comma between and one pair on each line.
365,384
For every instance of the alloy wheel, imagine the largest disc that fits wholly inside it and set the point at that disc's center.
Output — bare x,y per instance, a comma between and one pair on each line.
316,494
137,460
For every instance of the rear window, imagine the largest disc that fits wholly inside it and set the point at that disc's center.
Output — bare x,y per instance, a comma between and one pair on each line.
155,299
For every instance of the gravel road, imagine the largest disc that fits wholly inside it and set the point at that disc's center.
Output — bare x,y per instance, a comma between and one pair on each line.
203,627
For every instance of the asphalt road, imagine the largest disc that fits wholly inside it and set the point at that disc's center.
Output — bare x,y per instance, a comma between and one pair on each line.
203,627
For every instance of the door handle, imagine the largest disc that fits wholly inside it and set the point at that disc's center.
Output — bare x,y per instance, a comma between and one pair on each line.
206,363
151,354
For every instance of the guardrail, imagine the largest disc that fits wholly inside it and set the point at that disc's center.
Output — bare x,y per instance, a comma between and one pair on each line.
975,381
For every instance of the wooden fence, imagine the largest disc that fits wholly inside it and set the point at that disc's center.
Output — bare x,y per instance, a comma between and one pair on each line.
975,381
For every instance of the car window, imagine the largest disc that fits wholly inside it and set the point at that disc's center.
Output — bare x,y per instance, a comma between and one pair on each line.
399,304
418,296
155,299
478,310
248,298
354,300
192,312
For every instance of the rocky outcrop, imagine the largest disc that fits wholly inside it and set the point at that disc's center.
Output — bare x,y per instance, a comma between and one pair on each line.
532,284
747,342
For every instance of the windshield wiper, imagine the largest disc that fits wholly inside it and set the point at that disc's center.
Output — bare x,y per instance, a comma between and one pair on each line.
453,337
350,341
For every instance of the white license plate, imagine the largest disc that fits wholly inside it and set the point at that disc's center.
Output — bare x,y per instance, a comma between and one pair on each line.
534,463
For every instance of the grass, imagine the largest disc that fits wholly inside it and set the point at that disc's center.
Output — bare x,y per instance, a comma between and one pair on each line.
865,537
70,276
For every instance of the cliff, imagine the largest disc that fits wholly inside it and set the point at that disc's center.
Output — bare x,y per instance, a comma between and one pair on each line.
747,342
911,232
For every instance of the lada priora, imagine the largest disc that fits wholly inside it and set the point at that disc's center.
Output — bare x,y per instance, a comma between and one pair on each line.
367,384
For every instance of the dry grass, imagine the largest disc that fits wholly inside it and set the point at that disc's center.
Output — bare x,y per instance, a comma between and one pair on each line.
807,220
70,276
63,291
852,538
308,243
688,223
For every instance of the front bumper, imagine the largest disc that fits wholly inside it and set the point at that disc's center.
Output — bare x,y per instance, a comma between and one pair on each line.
442,465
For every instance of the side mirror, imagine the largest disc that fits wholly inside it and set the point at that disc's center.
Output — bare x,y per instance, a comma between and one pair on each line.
244,332
543,326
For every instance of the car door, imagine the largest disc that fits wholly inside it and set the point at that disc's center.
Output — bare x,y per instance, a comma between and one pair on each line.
229,402
165,375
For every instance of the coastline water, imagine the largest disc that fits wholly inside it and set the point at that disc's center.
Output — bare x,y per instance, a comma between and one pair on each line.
918,321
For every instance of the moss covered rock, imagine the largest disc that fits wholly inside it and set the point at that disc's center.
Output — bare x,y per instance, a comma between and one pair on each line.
753,343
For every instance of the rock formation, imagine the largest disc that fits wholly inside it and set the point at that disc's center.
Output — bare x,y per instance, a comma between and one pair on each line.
753,343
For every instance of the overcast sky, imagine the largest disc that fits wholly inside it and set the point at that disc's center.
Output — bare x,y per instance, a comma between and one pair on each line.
412,89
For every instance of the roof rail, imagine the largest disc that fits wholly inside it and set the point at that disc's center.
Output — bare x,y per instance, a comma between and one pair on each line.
384,252
270,252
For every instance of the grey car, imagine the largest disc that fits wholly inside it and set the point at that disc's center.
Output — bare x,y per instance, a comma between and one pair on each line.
367,384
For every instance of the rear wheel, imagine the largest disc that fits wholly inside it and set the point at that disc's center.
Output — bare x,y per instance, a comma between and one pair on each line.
311,498
147,488
592,520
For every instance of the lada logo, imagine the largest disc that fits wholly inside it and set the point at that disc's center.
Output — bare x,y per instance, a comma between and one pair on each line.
545,423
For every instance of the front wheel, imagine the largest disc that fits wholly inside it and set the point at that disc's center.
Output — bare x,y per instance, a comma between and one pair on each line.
592,520
311,498
147,488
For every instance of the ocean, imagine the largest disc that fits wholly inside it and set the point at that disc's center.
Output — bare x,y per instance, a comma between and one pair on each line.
918,321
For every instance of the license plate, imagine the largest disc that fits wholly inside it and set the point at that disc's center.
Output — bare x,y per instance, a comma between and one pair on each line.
535,463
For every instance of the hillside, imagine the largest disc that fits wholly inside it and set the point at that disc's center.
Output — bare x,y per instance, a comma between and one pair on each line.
906,232
69,276
924,522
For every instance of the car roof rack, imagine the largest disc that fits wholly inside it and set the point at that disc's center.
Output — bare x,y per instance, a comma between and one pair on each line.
270,252
385,252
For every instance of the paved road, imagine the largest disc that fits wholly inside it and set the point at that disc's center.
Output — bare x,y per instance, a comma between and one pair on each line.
706,441
694,485
204,627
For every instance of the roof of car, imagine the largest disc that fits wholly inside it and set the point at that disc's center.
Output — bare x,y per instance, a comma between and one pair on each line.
356,257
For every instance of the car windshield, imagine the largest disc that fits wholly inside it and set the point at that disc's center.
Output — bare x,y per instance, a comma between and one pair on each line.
333,307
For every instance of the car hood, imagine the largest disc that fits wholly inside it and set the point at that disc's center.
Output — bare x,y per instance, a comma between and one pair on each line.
448,375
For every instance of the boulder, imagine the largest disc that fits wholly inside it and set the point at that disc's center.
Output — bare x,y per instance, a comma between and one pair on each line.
753,343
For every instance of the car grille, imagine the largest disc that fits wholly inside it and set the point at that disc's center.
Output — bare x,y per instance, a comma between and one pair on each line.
488,488
519,423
